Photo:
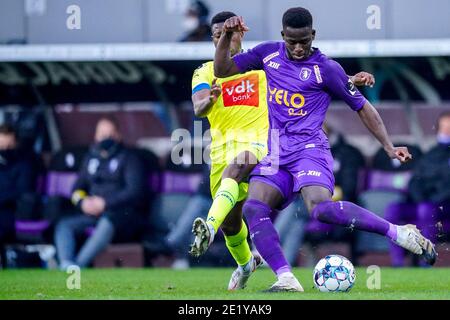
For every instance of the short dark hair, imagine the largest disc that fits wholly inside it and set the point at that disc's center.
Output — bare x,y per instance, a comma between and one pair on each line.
222,17
7,129
297,18
442,115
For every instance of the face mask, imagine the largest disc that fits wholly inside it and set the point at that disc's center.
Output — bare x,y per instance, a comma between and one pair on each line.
106,148
443,138
190,23
107,144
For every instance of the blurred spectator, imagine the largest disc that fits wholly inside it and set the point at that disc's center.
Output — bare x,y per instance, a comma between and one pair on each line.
196,23
348,161
429,191
17,179
180,235
107,194
431,179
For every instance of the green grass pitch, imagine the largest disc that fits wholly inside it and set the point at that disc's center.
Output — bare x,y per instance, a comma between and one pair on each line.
210,284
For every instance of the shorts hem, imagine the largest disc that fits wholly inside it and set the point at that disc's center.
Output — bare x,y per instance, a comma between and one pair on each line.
311,184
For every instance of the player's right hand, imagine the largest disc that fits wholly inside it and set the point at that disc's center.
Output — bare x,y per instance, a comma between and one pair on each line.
235,24
216,91
363,79
400,153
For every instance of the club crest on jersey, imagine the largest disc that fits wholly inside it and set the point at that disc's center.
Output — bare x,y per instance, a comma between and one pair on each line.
351,87
305,73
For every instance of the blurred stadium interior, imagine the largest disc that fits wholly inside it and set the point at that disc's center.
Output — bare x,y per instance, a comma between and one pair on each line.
126,61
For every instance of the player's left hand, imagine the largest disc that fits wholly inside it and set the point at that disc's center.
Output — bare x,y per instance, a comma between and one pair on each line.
99,204
363,79
235,24
216,91
400,153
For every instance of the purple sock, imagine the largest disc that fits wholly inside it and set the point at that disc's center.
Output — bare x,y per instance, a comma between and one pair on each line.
350,215
264,235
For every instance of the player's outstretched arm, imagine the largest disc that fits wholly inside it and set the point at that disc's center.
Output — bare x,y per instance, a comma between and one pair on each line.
372,120
224,66
204,99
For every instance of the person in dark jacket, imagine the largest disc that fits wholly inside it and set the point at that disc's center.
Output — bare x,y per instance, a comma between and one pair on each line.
431,178
108,195
348,161
17,178
429,192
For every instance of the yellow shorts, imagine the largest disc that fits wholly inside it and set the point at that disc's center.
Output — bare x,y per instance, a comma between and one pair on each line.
222,156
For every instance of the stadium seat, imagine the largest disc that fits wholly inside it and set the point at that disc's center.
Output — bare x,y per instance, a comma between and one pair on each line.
386,182
56,187
61,176
176,185
176,190
63,170
377,202
178,182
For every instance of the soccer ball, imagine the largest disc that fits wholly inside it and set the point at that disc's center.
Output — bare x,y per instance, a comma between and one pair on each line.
334,273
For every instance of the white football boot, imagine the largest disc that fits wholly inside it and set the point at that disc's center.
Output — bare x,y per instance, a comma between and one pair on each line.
410,238
241,275
286,282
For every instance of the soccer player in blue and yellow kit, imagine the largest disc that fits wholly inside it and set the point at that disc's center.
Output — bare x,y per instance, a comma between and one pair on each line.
236,109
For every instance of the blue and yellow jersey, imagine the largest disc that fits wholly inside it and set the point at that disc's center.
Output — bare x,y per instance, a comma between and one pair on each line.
240,113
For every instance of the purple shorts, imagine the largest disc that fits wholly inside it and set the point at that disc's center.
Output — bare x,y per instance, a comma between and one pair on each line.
311,167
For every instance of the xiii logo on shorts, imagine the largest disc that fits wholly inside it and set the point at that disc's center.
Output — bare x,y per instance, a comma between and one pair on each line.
241,91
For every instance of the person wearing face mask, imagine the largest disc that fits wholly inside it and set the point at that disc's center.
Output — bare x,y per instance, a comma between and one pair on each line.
16,179
195,23
429,192
108,195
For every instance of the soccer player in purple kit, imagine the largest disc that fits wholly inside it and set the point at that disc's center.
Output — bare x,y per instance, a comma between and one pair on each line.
301,81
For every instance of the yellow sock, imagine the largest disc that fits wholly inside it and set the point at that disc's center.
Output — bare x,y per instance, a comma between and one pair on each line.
238,246
225,199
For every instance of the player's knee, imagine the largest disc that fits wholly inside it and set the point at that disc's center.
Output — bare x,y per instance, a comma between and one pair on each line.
252,212
234,171
230,230
248,208
314,201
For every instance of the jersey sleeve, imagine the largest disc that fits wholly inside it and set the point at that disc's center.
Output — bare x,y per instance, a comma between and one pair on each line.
201,79
339,85
252,59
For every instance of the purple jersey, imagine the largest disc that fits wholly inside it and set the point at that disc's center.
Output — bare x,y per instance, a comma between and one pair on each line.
298,95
